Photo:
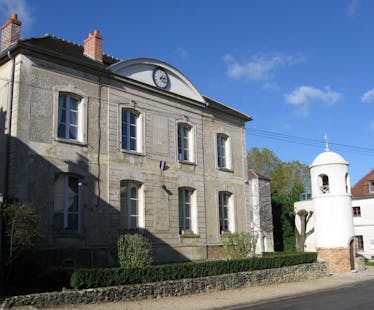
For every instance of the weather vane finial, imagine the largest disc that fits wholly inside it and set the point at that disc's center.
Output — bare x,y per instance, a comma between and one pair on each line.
327,149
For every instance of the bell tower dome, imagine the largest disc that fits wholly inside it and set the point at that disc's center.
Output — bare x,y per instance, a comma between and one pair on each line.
332,204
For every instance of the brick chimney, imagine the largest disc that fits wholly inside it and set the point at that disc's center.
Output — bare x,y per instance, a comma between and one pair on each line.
10,31
93,45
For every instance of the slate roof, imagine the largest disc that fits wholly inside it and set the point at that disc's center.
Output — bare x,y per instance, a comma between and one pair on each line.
53,46
58,47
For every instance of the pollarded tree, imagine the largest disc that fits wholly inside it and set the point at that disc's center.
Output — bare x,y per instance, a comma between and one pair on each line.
302,235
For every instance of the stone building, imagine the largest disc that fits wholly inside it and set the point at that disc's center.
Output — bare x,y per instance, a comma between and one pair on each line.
262,218
103,145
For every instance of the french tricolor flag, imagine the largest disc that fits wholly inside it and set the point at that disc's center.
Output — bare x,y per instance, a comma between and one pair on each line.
163,165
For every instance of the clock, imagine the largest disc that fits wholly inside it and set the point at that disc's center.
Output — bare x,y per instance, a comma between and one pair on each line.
160,78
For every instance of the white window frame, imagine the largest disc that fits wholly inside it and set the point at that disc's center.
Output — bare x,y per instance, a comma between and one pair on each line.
73,92
185,146
65,199
125,204
191,218
138,131
223,151
230,211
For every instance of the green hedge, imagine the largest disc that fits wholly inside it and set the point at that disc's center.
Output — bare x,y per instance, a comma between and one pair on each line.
90,278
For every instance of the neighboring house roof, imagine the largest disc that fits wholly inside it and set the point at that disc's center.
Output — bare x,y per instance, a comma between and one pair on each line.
53,46
254,175
362,187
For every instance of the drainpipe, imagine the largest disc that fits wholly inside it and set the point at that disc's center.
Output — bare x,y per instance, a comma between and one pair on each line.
8,125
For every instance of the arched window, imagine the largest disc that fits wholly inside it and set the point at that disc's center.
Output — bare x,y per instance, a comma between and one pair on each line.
185,142
131,204
67,202
187,211
347,183
131,130
225,208
324,186
70,114
223,151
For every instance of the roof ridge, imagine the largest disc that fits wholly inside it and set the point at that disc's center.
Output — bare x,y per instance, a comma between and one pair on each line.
48,35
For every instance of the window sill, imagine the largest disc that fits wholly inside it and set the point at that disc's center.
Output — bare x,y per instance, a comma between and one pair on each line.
71,141
187,162
225,169
68,234
132,152
189,234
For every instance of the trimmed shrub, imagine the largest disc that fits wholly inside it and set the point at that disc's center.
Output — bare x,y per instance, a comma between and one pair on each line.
134,251
238,245
90,278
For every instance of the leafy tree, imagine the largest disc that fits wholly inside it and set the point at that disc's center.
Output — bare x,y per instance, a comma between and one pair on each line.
262,161
287,181
21,230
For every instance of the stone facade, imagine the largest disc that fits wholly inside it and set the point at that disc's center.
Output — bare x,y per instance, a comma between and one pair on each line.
80,173
337,258
171,288
260,200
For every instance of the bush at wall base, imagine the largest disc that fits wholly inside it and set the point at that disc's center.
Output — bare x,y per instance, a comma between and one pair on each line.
101,277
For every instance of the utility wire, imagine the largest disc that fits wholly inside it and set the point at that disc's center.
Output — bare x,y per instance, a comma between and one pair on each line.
255,132
308,141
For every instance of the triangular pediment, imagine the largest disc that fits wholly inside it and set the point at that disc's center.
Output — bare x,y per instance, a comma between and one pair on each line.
143,70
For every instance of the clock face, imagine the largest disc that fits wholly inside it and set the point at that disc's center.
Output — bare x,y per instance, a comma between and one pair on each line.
160,78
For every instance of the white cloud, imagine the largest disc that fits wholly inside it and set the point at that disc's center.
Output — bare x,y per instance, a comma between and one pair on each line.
259,67
352,7
182,53
368,96
304,95
23,10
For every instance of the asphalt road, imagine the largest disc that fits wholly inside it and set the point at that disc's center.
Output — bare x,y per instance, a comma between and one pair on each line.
354,296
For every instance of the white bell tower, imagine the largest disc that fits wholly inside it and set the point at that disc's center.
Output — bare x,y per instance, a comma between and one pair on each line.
332,204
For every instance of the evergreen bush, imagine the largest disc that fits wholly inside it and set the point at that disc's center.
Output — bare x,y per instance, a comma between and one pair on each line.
101,277
134,251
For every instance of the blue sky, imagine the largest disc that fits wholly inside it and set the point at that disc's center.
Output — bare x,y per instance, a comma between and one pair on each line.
299,68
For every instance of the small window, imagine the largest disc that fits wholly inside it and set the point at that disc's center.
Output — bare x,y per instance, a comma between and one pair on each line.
69,118
360,243
187,211
347,183
67,203
324,184
129,130
356,211
185,143
371,187
131,202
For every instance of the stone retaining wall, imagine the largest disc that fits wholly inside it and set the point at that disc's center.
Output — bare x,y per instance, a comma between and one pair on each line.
171,288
